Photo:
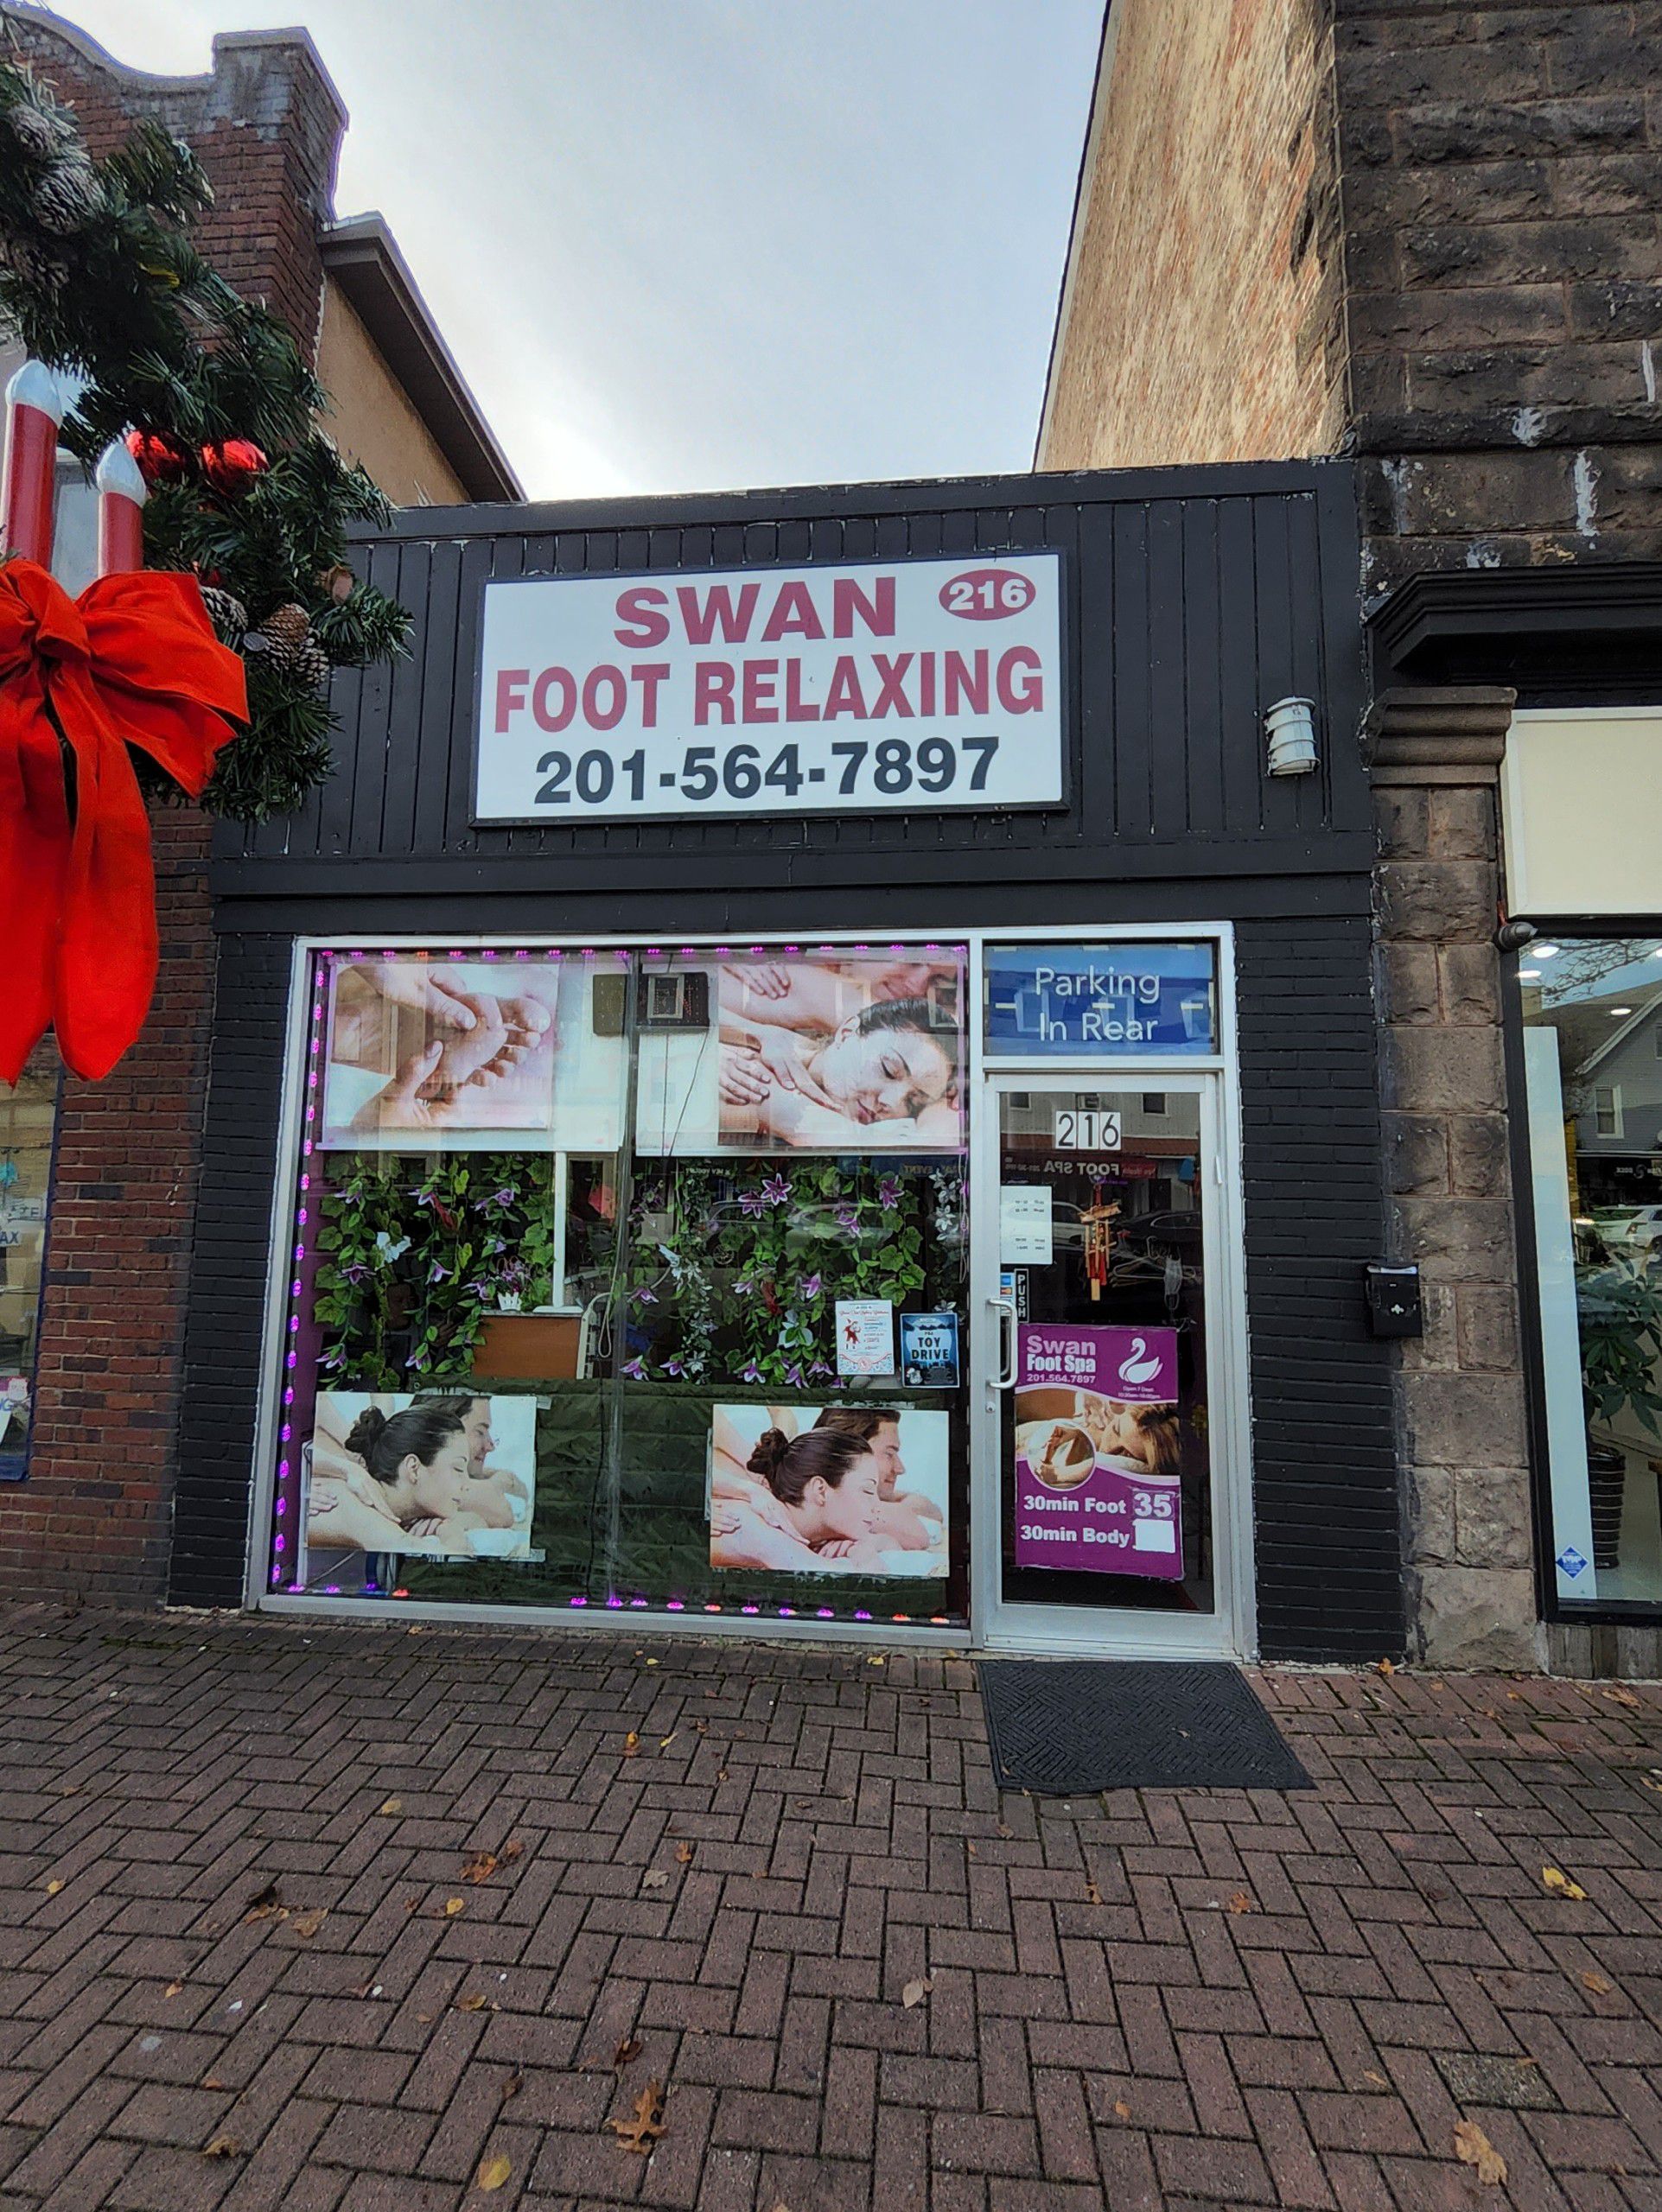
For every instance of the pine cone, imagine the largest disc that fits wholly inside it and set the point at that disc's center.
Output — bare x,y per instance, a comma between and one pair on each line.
311,666
288,626
67,197
227,614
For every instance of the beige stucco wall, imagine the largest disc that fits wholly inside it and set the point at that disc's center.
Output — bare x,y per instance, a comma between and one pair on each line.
1200,313
373,420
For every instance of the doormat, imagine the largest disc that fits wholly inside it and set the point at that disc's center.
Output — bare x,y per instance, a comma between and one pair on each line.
1068,1728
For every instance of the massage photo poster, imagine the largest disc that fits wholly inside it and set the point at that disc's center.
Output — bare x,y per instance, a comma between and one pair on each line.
782,1501
1096,1487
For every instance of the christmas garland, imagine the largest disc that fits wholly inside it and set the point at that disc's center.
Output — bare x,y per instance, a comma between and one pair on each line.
98,279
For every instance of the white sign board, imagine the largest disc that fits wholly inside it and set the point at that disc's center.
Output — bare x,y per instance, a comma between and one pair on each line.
1025,1234
915,684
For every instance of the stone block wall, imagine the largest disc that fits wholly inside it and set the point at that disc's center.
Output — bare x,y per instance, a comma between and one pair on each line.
1468,1526
1502,181
1201,318
91,1520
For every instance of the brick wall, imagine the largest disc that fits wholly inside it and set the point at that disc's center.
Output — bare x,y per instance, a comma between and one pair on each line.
92,1520
1200,321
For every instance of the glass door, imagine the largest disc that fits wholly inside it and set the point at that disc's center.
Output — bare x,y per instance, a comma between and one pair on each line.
1099,1524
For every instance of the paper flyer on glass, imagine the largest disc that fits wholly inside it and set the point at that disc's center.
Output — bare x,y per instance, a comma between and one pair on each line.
1096,1458
843,1489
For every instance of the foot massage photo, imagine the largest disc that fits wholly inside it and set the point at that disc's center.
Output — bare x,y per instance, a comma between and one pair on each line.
854,1488
443,1478
1065,1435
812,1053
420,1047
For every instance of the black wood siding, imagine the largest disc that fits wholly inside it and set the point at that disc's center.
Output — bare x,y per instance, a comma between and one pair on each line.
1198,598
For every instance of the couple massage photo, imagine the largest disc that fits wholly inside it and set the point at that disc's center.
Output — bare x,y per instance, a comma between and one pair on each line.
445,1478
852,1488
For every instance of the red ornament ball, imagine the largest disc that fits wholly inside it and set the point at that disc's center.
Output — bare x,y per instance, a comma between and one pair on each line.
234,464
162,458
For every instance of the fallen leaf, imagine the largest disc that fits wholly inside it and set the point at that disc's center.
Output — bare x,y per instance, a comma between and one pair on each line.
1385,1667
629,2050
480,1867
473,2002
701,1727
513,2086
1560,1885
684,1854
1092,1894
52,1888
306,1925
1123,2110
641,2131
1596,1983
222,2146
452,1906
173,1989
269,1900
1006,1831
412,1904
1619,1697
1241,1902
721,1774
392,1805
493,2172
651,1662
973,1852
915,1992
655,1878
631,1745
510,1852
1378,2080
1474,2148
211,2081
663,1742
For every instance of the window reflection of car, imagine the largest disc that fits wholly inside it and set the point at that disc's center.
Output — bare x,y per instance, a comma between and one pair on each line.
1630,1230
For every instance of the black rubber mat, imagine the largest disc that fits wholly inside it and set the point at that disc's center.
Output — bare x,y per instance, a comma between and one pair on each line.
1066,1728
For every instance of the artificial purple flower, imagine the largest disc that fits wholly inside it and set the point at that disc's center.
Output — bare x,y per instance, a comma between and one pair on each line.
417,1358
776,1192
505,1197
810,1286
673,1367
439,1273
848,1217
888,1192
794,1376
356,1273
743,1289
635,1370
750,1202
753,1373
495,1246
818,1368
644,1297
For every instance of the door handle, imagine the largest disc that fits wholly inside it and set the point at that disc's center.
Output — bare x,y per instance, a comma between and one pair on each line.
1005,1309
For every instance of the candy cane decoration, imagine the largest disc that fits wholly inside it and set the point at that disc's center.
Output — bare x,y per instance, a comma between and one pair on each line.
122,494
33,411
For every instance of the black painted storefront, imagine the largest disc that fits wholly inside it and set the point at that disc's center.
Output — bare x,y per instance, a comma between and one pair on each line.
1195,599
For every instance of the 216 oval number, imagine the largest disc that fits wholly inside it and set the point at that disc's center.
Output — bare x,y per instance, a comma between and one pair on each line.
988,594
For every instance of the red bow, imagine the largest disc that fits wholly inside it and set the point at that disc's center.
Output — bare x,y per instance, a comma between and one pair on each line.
134,661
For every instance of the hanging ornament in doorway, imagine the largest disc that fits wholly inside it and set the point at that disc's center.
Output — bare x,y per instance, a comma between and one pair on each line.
1098,1218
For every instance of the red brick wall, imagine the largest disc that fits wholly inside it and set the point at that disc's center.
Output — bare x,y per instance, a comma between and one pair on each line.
91,1522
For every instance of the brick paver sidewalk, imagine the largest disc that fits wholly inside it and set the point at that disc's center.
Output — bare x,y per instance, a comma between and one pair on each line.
245,1961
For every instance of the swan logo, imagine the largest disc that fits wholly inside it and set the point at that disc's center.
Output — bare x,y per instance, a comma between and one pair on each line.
1135,1369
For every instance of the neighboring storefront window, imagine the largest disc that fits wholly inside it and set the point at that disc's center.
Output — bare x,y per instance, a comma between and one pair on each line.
27,1116
1593,1063
631,1277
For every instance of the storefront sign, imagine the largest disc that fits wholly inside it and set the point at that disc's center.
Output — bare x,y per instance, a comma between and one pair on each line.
920,685
1061,1001
1096,1450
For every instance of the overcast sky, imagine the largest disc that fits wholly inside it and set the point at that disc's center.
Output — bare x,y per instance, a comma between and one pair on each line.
680,244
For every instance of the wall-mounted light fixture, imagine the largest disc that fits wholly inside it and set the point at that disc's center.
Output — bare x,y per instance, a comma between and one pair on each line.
1291,727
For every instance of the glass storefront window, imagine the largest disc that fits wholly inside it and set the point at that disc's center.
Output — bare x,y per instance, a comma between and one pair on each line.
1592,1067
632,1278
27,1116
